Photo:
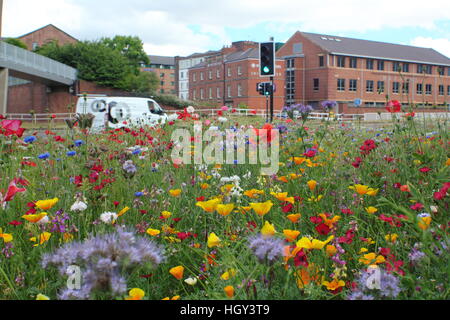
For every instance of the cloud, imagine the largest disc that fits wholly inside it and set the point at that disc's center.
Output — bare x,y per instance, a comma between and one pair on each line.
441,45
180,27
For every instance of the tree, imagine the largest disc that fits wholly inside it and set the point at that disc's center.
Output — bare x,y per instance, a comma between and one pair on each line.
16,42
144,83
94,61
131,48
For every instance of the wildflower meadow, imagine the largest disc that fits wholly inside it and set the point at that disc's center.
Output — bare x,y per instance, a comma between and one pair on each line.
356,211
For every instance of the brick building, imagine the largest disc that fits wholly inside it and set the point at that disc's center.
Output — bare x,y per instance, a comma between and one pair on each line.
182,66
321,67
230,76
164,67
45,35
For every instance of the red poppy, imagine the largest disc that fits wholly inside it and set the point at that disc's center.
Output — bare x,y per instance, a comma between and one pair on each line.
13,189
15,223
394,106
323,229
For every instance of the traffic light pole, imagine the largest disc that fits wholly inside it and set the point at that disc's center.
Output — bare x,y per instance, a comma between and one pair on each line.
271,100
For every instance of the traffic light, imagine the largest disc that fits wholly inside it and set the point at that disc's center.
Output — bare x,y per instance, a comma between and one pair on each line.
265,88
267,59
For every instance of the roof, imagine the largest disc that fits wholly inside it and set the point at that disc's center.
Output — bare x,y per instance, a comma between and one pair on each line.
375,49
167,61
49,25
251,53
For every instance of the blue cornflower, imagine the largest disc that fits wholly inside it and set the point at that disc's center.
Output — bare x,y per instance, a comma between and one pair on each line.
30,139
138,194
44,156
71,153
137,151
79,143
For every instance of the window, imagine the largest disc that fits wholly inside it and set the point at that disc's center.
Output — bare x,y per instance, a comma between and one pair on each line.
321,61
290,86
353,85
420,68
448,90
380,65
35,46
218,92
162,83
229,72
239,70
218,73
405,87
441,71
369,64
405,67
229,91
316,84
194,76
441,90
161,91
182,75
201,76
210,93
162,75
419,88
341,84
380,86
290,63
428,69
172,83
194,94
210,74
341,62
369,86
239,87
353,63
202,94
428,89
395,87
396,66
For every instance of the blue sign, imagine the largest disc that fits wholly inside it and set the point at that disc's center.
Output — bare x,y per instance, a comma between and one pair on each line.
357,102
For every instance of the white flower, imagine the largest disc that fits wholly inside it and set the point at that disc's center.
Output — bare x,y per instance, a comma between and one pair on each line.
78,206
44,220
191,281
190,109
222,119
108,217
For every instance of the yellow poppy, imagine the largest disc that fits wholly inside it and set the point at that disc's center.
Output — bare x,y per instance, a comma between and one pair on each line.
253,194
372,258
306,243
364,190
6,236
166,214
229,291
34,218
262,209
305,276
283,197
46,204
312,185
135,294
268,230
228,275
331,250
209,206
153,232
391,237
334,285
123,211
424,223
224,209
213,240
294,217
40,296
175,193
291,235
371,210
177,272
329,222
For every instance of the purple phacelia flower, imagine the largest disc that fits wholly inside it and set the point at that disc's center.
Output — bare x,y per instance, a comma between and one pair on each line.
267,250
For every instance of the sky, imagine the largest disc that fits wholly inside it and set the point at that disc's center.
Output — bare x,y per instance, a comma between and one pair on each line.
182,27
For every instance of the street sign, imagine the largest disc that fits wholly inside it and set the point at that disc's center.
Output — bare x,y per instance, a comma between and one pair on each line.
357,102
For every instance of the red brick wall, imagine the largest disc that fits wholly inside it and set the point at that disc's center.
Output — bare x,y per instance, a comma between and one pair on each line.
45,35
307,69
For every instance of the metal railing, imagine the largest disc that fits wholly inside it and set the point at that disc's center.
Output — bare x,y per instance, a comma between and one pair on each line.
40,116
12,55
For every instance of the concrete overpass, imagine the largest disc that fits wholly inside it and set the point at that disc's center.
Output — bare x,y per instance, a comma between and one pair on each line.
20,63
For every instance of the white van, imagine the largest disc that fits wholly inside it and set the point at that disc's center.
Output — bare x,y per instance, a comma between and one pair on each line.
120,112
